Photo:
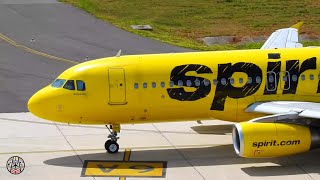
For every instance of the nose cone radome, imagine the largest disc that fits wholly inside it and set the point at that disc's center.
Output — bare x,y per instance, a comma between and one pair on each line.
34,104
37,103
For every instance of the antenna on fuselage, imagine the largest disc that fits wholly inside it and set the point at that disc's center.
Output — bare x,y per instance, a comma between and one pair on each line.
119,53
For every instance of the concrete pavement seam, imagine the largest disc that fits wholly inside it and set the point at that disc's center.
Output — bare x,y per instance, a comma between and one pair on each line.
301,168
181,154
71,146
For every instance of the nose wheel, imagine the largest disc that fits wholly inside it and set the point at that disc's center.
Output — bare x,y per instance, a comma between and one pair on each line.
111,145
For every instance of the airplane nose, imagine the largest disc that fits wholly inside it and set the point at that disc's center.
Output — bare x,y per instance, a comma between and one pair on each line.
34,104
37,104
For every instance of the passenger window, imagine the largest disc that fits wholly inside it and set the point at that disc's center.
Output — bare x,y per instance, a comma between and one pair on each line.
69,85
180,83
58,83
258,79
136,85
145,85
240,80
271,79
303,77
294,78
285,78
223,81
271,84
154,85
81,86
206,82
215,82
311,77
162,84
231,81
319,76
189,83
249,80
171,83
197,82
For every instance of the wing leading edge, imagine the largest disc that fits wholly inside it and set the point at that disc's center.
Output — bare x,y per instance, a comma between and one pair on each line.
291,108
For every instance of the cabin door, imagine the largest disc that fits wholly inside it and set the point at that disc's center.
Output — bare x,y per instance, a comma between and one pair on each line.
117,86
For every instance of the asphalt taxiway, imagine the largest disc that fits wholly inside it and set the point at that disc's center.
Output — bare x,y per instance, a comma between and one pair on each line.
33,30
41,38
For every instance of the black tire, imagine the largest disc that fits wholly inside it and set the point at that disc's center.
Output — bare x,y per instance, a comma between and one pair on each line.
111,146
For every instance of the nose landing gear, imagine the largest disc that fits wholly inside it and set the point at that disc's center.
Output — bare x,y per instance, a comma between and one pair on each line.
111,145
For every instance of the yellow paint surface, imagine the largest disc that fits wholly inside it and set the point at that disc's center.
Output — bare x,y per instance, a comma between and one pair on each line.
124,169
136,89
271,137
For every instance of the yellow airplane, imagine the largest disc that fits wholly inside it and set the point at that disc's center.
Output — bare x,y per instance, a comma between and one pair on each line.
273,93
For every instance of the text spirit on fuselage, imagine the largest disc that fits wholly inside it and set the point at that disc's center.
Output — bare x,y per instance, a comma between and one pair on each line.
226,89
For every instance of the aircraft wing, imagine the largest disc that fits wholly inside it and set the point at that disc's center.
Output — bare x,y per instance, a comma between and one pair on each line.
285,110
284,38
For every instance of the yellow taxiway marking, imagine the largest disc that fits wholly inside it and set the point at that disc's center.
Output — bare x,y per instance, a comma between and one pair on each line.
127,154
5,38
126,157
125,168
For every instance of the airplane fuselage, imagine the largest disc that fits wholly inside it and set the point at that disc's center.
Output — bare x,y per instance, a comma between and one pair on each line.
183,86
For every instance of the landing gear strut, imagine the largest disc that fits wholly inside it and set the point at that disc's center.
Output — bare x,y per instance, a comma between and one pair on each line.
111,145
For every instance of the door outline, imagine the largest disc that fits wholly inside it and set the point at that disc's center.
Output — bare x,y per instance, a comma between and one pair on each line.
124,86
275,83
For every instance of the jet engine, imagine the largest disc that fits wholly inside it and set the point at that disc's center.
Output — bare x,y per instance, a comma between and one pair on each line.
257,140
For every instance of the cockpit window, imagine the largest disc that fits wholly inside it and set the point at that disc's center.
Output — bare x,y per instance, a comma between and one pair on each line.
81,86
69,85
58,83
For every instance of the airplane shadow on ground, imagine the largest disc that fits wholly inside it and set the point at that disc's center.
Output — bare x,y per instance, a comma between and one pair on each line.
222,155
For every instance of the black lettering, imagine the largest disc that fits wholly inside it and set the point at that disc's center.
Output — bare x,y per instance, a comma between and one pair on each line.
225,71
318,91
296,142
288,143
106,169
142,168
292,67
254,144
179,74
272,85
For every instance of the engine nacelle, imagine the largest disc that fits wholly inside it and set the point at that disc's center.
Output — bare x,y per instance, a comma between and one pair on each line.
273,139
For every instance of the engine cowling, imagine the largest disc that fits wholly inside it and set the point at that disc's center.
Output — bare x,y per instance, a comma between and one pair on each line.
273,139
